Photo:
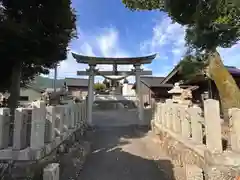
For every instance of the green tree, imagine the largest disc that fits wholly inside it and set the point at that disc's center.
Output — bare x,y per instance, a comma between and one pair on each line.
209,24
34,37
99,87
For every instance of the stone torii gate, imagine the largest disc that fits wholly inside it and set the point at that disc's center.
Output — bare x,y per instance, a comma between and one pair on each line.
92,71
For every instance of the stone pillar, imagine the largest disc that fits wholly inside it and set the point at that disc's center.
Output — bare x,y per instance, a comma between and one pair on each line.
77,114
71,115
139,93
193,172
50,123
158,113
163,114
177,127
20,129
196,124
213,126
169,104
234,115
214,173
4,127
38,125
80,114
90,93
185,121
51,172
84,111
61,118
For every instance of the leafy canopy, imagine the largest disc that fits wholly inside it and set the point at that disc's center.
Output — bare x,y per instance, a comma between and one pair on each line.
209,23
34,34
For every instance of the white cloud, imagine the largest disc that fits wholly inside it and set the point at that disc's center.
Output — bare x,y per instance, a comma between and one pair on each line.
231,56
87,49
167,39
106,44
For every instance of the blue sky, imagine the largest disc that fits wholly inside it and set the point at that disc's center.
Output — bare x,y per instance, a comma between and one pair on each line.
106,28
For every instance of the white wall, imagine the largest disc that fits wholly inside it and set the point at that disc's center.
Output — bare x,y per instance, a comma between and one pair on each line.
32,94
127,90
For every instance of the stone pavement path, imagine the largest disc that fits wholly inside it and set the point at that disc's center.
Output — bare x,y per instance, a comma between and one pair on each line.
124,153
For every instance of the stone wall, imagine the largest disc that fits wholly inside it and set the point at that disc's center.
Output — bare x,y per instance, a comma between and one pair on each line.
194,140
39,131
42,135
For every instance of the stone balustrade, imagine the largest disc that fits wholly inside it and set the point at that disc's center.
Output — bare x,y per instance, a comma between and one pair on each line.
51,172
193,138
37,131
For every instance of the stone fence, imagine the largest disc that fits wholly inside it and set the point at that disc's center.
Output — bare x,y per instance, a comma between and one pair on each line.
37,131
193,138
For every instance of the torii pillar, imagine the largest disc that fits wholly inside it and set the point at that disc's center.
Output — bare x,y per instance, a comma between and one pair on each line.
93,61
138,72
91,74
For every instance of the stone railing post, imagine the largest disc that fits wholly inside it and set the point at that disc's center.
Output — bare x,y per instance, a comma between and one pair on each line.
61,118
196,124
4,127
80,114
169,103
154,113
51,172
71,116
213,126
38,125
185,124
78,109
76,115
67,117
193,172
163,115
83,111
158,112
20,129
177,127
234,123
50,123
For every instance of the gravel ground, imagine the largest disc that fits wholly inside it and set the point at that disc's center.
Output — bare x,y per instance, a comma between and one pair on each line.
124,153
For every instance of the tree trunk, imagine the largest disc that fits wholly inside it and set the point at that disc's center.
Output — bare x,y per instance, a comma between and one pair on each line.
14,94
227,87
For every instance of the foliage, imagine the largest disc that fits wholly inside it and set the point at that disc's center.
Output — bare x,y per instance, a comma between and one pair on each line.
28,75
192,66
99,86
209,23
34,35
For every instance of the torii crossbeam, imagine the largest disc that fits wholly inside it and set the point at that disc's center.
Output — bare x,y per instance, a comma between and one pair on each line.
91,72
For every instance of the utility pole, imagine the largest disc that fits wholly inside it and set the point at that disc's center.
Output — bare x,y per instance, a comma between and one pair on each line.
55,78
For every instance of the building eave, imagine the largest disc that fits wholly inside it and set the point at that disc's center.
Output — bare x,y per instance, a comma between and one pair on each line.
34,88
171,74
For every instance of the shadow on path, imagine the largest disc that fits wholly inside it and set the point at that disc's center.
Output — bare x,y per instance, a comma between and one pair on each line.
119,154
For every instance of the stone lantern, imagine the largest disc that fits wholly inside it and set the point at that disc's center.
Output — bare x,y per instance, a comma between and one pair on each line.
176,92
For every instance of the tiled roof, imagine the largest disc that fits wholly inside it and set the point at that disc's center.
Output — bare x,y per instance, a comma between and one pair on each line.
233,70
34,87
152,81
